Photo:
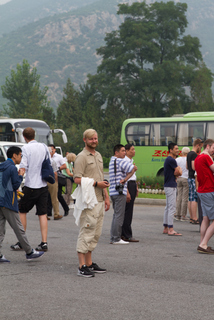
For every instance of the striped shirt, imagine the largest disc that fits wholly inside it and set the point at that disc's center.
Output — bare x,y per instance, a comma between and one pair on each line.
133,177
122,168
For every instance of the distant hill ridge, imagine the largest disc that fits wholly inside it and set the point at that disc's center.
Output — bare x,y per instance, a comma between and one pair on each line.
62,40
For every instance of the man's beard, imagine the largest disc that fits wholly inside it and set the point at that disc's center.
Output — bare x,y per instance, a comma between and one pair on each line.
92,145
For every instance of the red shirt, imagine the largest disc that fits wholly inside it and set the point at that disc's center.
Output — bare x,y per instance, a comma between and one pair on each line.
204,173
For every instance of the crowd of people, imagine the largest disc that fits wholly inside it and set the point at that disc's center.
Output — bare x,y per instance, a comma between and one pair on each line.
189,182
188,179
91,196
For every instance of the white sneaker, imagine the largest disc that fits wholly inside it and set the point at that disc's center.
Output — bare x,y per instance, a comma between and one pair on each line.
121,242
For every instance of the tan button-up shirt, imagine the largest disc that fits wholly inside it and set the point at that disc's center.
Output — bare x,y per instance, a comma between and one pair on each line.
90,166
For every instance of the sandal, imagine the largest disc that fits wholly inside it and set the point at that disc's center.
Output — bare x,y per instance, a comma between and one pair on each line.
195,221
174,234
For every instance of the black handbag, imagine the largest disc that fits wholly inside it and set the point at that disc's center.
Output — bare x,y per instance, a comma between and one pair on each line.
61,178
47,170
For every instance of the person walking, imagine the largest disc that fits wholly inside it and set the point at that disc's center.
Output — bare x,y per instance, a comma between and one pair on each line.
68,172
182,187
171,172
53,201
35,189
10,181
60,162
204,167
193,197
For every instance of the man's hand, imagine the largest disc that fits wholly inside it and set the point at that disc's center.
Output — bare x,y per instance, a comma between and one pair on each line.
103,184
21,171
107,200
107,204
128,197
135,168
178,172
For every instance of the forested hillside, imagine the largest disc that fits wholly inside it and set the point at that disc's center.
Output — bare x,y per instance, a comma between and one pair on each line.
62,40
17,13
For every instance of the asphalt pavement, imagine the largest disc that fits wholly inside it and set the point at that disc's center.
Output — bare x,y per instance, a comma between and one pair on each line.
160,277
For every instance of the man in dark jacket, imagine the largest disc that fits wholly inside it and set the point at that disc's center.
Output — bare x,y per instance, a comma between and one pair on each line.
10,181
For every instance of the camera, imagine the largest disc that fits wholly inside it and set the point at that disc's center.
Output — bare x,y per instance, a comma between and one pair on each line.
119,187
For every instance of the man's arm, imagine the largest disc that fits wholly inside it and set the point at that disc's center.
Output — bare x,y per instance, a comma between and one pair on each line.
24,161
212,167
193,164
99,184
63,166
77,180
178,171
128,196
107,201
16,179
129,174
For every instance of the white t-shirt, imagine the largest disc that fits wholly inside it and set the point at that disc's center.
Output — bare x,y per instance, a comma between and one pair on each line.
58,159
181,162
33,155
133,177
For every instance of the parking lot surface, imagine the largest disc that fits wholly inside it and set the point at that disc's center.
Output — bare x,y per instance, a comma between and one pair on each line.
160,277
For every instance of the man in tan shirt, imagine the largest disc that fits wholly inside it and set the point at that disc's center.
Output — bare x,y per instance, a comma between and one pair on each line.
89,163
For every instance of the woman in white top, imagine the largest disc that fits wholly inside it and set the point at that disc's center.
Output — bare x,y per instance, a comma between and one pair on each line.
182,187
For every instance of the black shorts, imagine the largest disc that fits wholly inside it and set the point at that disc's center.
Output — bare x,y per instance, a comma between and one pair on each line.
38,197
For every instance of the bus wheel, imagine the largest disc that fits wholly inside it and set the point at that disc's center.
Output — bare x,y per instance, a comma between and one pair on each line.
160,173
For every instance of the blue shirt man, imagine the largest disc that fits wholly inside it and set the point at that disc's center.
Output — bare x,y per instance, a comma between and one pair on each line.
171,171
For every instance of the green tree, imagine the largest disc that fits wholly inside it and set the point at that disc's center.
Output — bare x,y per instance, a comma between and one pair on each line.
69,111
201,93
26,99
70,118
149,65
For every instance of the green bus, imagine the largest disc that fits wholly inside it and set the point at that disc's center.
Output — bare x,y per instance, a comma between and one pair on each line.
151,136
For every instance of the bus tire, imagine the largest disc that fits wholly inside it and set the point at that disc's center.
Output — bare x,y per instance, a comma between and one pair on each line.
160,173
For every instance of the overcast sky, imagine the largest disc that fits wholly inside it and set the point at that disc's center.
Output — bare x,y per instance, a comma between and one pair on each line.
4,1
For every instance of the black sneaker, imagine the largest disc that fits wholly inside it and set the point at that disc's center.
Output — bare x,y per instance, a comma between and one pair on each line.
95,268
85,272
43,246
16,246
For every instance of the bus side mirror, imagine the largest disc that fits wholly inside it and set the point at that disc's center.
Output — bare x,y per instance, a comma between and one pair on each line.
20,135
64,137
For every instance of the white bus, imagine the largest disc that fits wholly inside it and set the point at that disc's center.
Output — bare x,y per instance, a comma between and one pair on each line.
11,130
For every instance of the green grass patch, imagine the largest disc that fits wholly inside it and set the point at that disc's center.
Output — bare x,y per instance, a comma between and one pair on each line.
151,196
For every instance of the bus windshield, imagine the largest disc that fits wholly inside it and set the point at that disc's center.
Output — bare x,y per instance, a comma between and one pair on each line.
42,130
11,130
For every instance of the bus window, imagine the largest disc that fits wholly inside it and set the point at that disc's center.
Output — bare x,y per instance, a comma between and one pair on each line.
163,133
155,134
196,130
138,134
182,139
210,130
6,133
188,132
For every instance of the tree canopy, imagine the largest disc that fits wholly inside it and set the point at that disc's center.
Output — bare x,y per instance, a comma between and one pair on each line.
149,67
26,99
